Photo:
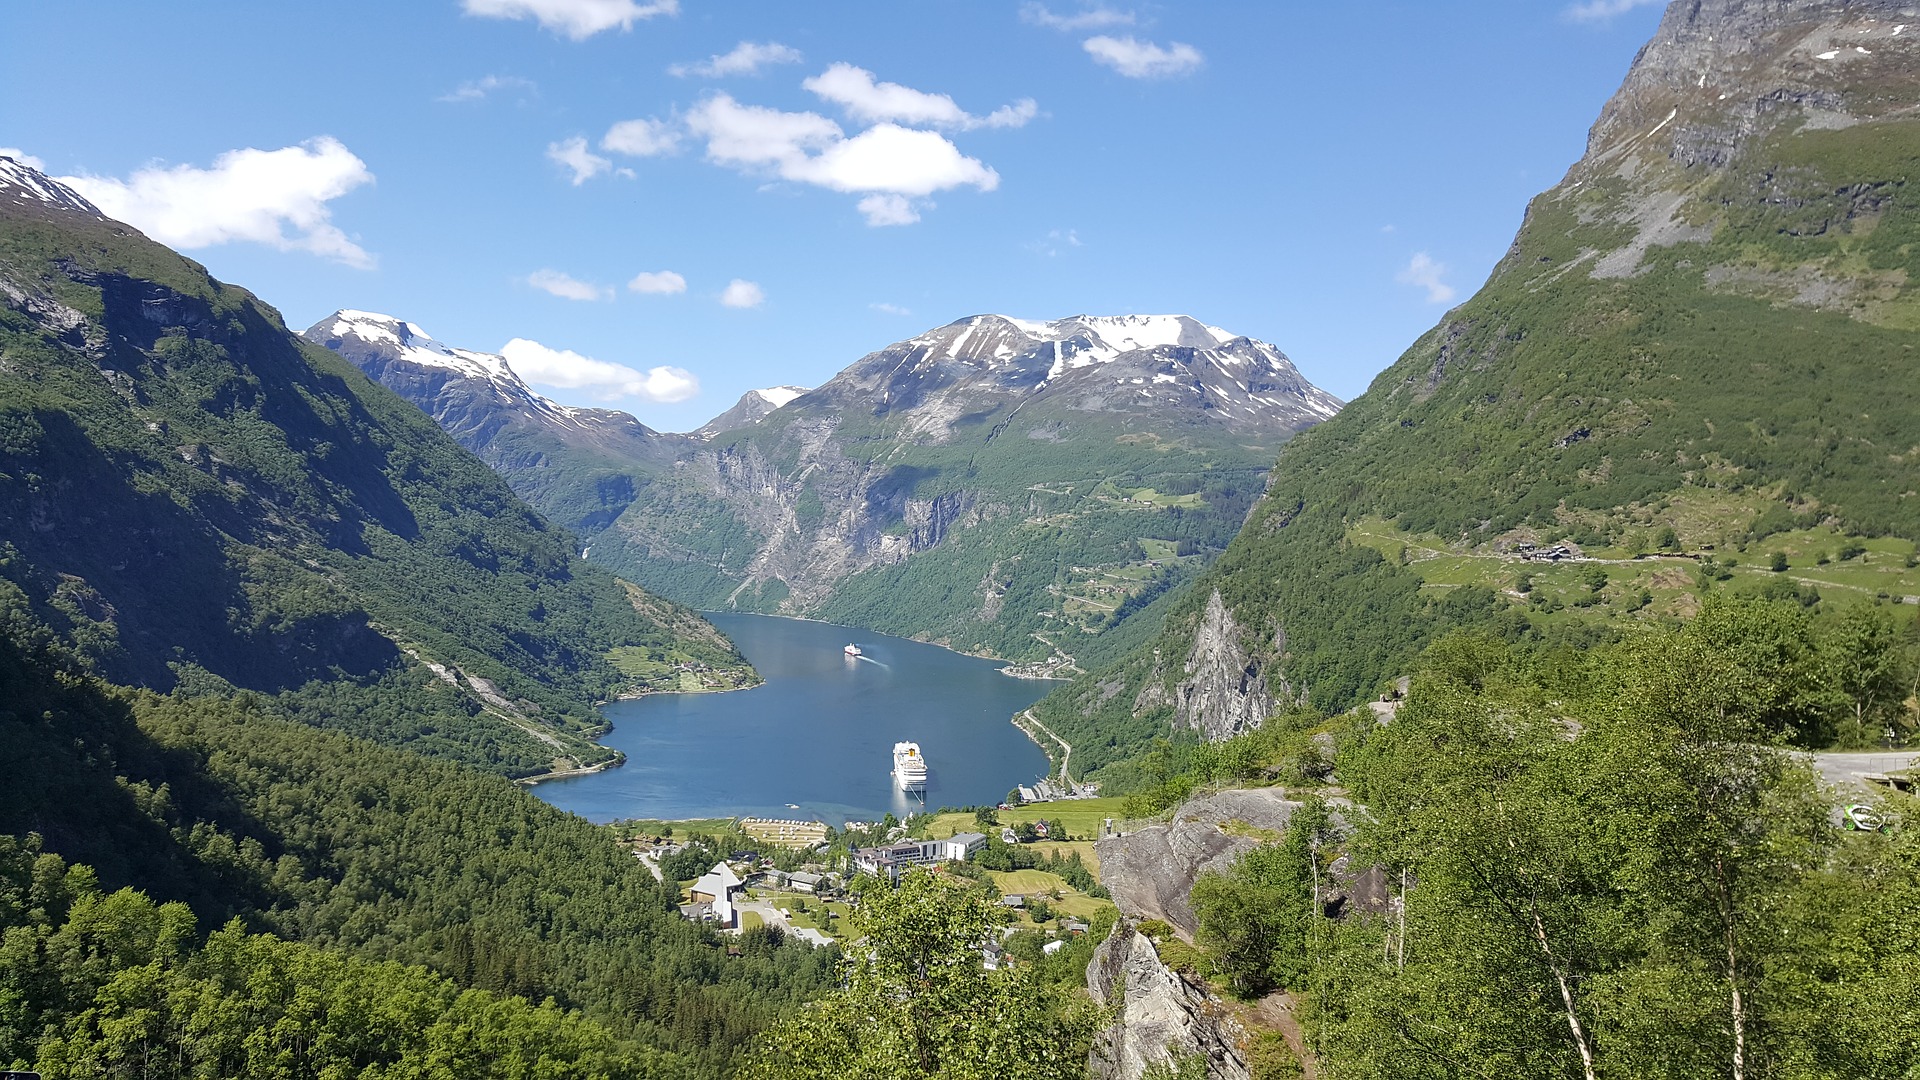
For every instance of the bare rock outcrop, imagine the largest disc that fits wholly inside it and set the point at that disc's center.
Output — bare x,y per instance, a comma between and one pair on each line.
1151,871
1162,1016
1225,691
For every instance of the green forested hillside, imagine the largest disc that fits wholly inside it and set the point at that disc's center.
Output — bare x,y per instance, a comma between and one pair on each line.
1695,368
1587,863
191,495
374,855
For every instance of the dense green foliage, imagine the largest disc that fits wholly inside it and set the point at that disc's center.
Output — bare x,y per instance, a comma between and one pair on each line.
111,985
1598,863
916,1003
189,493
329,841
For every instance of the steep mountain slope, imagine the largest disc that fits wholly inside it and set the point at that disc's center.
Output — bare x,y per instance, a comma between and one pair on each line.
189,494
1071,473
580,467
1701,348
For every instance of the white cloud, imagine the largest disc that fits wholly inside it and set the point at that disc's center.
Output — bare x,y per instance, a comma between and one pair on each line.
1093,18
890,158
1422,271
577,19
641,138
477,89
749,135
743,294
569,370
746,58
23,158
882,210
1143,59
890,309
1602,10
567,287
273,197
808,148
658,282
573,154
854,89
885,157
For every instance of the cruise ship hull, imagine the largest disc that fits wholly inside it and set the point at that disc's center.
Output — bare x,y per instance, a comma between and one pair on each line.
909,767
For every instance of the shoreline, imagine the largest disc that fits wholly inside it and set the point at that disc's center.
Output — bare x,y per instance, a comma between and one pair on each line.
1012,669
562,774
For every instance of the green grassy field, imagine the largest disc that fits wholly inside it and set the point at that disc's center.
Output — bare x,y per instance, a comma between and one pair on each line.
1659,584
1040,883
1082,817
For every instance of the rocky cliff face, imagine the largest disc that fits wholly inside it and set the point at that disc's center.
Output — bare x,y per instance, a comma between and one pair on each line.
1225,691
1162,1017
1151,871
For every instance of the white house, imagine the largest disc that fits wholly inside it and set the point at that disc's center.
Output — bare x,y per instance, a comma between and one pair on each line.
719,888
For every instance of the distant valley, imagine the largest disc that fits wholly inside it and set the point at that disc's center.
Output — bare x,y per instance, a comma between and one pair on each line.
1070,474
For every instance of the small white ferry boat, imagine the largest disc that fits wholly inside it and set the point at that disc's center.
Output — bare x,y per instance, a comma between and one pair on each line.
852,649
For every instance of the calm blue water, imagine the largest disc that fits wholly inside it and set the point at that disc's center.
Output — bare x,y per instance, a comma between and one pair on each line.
819,734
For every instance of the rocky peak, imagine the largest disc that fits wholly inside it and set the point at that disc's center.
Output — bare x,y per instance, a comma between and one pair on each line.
22,183
1716,69
1162,364
753,407
409,361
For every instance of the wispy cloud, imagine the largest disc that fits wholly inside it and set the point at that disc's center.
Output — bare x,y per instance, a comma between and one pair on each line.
889,309
1092,18
1602,10
883,210
574,155
1138,59
483,87
569,370
274,197
867,100
641,138
743,294
746,58
1055,242
567,287
1423,272
658,283
577,19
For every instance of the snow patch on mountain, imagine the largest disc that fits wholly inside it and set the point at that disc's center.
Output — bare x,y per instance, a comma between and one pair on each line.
408,343
778,396
22,182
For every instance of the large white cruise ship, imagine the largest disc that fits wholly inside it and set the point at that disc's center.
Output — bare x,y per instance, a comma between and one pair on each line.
909,768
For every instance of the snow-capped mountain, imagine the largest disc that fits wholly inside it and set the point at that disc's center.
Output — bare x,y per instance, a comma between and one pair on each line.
21,183
1151,364
581,467
753,406
473,394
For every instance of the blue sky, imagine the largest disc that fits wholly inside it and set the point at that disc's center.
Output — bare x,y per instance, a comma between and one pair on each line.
664,204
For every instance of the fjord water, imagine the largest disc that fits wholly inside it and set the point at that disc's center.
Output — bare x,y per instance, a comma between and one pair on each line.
818,734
